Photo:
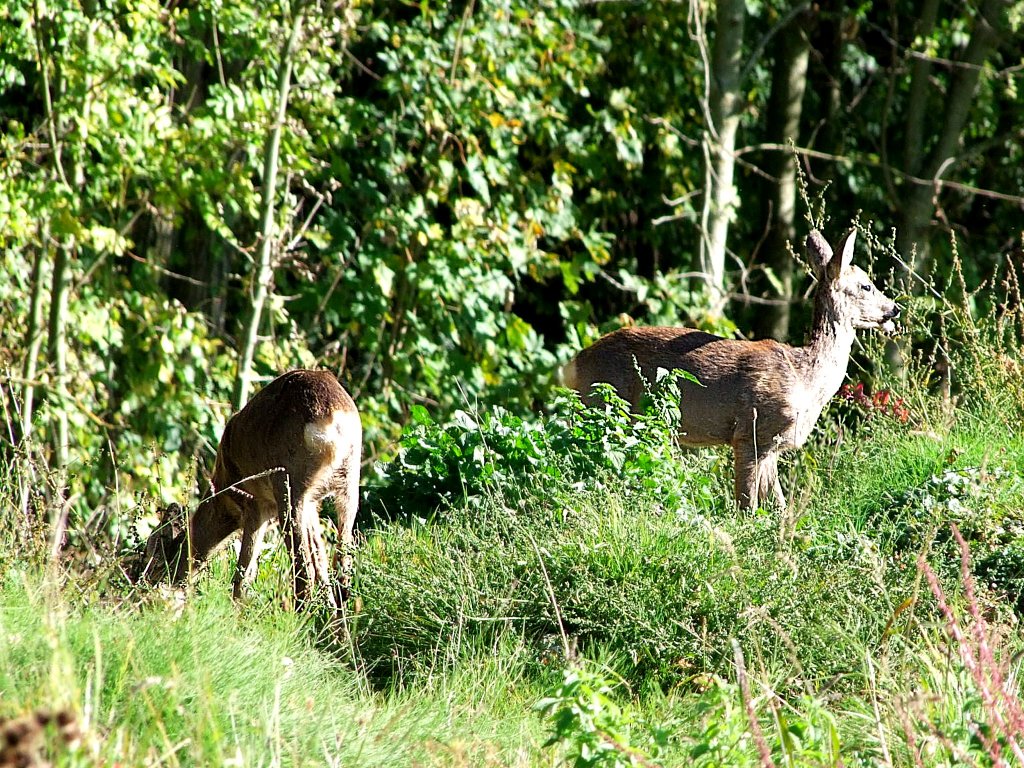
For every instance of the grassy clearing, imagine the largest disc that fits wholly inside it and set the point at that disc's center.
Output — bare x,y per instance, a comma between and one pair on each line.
829,625
573,591
206,683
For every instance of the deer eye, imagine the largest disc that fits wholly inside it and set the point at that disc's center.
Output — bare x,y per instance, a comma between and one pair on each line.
867,287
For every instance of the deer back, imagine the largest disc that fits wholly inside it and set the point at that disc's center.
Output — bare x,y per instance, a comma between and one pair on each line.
735,377
301,426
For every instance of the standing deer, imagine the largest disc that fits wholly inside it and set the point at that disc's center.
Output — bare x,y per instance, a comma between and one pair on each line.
295,442
760,397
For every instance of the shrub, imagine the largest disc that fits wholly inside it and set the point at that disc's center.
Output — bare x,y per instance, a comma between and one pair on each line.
573,446
593,730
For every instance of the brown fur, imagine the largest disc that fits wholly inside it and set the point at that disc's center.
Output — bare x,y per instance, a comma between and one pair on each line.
760,397
295,442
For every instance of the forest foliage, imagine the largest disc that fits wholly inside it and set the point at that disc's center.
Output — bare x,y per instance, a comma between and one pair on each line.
443,201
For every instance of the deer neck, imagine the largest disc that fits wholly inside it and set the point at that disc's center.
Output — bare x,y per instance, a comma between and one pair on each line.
821,367
828,353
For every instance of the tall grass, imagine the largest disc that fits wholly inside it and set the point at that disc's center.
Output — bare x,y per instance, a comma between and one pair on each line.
570,589
208,684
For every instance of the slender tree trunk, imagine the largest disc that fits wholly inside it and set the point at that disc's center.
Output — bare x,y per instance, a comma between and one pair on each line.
785,108
56,342
33,340
829,44
724,108
57,351
268,237
917,99
61,291
29,369
917,211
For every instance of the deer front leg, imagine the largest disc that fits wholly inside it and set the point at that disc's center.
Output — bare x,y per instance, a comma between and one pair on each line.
768,485
757,475
254,527
745,463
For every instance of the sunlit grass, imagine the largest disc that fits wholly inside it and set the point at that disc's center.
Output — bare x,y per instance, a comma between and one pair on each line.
717,637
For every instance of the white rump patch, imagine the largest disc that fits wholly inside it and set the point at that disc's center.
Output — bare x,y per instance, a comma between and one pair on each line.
341,428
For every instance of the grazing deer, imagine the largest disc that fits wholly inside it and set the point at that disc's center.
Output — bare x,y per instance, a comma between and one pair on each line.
295,442
760,397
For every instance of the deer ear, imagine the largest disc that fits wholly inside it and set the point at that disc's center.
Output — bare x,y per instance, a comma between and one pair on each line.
845,259
818,251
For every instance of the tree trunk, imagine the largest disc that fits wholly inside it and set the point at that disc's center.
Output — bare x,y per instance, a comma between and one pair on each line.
829,44
57,346
785,107
724,107
917,99
917,212
56,342
268,237
33,340
29,369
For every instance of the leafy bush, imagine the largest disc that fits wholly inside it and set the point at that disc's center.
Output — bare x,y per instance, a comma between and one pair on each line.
1003,570
570,448
974,498
594,731
799,732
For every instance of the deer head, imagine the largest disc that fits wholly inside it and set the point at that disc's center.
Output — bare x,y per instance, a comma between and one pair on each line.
845,291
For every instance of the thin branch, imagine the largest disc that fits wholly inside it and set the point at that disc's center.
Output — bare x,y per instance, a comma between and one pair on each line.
951,64
466,15
938,183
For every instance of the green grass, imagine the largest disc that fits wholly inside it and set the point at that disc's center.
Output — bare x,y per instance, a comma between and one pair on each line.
209,684
649,616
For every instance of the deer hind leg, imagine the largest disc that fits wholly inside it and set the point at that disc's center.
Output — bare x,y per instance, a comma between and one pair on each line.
321,562
309,558
302,559
313,573
346,502
300,525
293,530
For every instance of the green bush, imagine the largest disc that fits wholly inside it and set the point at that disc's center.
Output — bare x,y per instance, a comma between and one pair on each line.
592,728
573,446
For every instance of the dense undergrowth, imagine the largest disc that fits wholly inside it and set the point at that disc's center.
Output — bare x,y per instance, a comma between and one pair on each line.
572,589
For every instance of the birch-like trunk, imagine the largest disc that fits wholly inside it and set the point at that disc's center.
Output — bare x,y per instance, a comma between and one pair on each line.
724,108
33,341
29,371
269,239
